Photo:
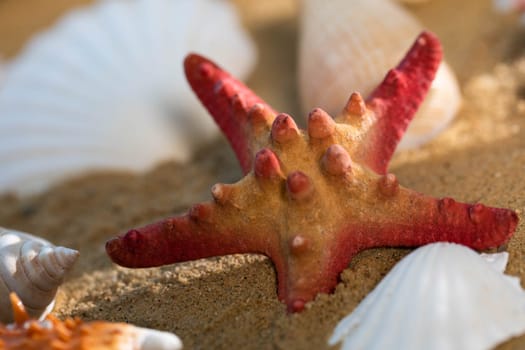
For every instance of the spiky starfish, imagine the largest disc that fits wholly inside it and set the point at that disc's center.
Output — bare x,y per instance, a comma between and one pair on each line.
313,199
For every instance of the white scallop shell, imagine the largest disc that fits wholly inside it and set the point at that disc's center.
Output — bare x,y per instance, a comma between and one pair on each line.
441,296
105,89
348,46
33,268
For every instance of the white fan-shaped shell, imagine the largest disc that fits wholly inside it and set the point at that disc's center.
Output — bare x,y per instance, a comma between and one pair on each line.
348,46
105,89
441,296
33,268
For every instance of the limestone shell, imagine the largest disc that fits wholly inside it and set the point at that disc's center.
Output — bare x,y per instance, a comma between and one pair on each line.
105,89
441,296
348,46
33,268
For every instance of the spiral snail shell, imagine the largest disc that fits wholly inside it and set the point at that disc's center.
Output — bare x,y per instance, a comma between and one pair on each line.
33,268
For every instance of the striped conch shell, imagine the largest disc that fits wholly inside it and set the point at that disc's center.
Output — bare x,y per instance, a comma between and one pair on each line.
348,46
73,334
33,268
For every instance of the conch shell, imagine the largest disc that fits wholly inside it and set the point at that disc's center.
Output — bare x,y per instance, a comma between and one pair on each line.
33,268
441,296
347,46
73,334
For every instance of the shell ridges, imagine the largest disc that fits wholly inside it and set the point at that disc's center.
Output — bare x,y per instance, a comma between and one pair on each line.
81,95
432,299
348,47
33,268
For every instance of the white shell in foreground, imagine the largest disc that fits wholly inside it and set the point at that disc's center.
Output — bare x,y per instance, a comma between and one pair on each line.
33,268
105,89
441,296
348,46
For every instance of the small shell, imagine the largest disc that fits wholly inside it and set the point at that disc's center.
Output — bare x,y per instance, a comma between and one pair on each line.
105,89
507,6
441,296
33,268
348,46
51,334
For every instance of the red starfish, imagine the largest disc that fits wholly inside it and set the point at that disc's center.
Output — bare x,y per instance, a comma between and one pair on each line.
314,198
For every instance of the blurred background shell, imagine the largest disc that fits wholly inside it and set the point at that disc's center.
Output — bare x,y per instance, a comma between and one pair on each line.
348,46
33,268
105,89
441,296
510,6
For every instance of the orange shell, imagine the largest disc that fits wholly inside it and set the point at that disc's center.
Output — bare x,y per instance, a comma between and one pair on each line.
74,334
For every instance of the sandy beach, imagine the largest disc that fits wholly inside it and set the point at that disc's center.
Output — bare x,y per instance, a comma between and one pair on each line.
231,302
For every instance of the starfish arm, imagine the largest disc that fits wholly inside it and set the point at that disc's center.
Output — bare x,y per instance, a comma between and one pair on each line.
229,102
395,101
198,234
311,270
417,220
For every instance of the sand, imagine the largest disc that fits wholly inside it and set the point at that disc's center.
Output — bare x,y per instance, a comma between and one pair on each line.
230,302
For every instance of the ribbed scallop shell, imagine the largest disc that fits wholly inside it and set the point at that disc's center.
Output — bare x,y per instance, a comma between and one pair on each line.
74,334
441,296
33,268
347,46
105,89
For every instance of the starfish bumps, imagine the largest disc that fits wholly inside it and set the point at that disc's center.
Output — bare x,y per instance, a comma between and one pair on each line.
313,199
